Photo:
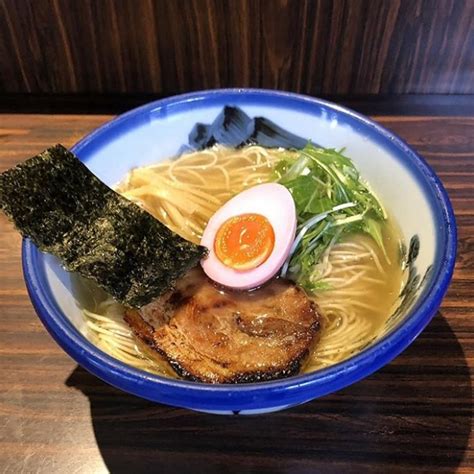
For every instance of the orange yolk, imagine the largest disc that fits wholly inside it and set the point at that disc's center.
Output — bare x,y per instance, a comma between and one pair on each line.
244,242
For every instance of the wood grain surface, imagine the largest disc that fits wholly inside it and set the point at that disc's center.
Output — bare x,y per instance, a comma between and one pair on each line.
319,47
414,415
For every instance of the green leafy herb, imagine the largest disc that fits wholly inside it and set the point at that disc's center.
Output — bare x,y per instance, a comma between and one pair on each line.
331,201
65,210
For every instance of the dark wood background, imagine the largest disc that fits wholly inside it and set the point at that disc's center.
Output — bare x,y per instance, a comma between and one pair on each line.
318,47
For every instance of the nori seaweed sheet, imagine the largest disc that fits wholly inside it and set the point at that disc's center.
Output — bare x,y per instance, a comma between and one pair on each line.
57,202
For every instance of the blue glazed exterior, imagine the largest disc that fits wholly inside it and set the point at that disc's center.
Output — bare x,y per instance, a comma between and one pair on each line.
266,395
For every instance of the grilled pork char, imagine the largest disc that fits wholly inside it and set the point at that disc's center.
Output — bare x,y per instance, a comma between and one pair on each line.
219,336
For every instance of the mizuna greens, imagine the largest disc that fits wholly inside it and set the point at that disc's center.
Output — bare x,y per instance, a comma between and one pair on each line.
331,201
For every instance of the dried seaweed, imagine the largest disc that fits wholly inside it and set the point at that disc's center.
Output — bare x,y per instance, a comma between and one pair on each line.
57,202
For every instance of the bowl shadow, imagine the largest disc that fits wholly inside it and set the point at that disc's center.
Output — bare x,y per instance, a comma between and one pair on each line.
414,415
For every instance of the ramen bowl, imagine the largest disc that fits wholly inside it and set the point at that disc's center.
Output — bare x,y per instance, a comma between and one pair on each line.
162,129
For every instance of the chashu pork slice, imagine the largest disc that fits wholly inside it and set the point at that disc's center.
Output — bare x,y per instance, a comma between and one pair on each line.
216,336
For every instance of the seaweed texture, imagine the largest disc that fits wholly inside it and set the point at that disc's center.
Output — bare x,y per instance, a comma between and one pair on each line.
57,202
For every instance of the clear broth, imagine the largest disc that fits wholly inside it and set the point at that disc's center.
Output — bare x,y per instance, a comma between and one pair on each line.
184,193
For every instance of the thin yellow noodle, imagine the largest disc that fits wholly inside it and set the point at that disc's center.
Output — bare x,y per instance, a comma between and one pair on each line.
207,163
170,192
175,217
204,198
184,207
353,269
374,281
199,180
184,193
225,174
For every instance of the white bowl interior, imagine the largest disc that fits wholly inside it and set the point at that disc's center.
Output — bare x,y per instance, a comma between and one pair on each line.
166,130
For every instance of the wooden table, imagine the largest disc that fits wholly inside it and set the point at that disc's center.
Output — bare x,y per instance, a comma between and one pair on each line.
414,415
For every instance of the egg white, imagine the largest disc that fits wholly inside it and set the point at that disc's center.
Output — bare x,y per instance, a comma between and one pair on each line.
270,200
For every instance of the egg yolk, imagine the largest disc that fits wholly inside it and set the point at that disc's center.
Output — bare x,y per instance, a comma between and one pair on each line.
244,242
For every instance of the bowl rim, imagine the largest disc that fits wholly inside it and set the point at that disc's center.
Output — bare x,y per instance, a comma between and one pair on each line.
319,382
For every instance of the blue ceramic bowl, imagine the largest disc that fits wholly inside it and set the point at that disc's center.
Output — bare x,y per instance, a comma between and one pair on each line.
405,183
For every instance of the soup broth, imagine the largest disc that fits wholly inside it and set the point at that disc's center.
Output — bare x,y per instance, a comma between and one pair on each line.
359,284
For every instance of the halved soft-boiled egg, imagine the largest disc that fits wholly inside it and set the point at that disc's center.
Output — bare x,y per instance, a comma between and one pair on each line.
250,237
